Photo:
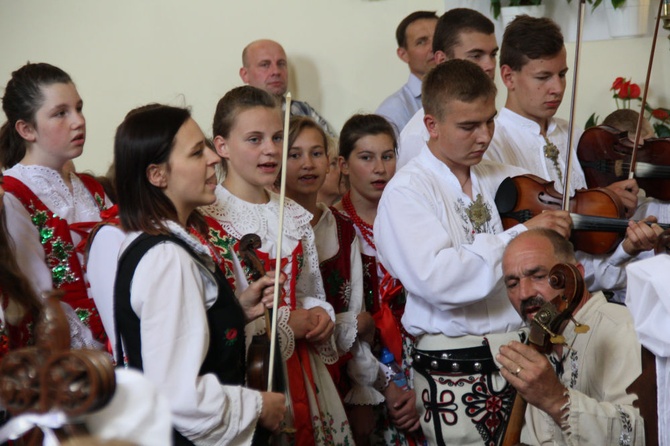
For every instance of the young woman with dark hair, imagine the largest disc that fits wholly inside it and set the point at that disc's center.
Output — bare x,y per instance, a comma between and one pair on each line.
368,150
49,208
178,319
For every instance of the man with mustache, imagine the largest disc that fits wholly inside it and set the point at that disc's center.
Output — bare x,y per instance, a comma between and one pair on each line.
577,393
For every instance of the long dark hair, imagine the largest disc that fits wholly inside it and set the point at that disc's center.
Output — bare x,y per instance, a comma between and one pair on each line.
359,126
23,97
13,283
147,136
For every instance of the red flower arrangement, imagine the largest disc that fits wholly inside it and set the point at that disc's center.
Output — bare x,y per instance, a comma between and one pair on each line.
624,92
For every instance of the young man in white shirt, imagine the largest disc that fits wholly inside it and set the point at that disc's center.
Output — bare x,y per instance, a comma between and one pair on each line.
437,230
533,67
461,33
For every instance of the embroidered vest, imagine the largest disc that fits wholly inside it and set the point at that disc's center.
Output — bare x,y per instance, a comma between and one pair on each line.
336,271
61,255
336,274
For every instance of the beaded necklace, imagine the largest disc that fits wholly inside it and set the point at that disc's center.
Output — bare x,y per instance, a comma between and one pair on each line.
365,228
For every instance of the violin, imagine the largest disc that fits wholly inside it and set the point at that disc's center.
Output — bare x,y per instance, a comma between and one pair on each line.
598,226
545,331
597,214
605,156
608,145
259,354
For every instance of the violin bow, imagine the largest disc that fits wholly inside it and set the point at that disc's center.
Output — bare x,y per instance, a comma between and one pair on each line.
280,236
571,120
638,128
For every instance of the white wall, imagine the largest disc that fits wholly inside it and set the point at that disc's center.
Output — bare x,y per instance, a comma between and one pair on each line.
125,53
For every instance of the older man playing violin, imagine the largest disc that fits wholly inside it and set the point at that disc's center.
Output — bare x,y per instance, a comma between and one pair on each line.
577,392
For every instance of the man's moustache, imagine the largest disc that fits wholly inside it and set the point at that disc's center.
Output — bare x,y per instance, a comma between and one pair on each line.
535,301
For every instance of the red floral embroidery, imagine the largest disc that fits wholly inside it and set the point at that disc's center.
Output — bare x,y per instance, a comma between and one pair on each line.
231,336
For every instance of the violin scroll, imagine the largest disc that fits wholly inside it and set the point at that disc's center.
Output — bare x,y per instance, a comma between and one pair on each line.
248,244
548,322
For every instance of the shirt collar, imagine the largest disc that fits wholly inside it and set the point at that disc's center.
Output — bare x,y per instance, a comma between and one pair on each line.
414,85
522,121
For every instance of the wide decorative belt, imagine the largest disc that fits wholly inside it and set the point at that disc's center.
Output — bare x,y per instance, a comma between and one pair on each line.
458,361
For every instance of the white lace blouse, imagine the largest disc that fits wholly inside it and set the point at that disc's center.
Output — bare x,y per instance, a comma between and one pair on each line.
239,217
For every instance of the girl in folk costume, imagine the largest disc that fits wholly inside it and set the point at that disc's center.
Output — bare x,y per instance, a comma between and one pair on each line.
247,133
341,267
49,207
177,317
19,304
367,158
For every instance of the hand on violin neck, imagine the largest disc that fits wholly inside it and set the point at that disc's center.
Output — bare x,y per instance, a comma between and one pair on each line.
641,236
627,191
533,376
257,297
558,221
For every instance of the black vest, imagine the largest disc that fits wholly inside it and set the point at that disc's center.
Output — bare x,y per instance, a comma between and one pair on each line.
225,318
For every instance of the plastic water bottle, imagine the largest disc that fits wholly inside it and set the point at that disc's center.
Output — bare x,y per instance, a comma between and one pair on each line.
398,376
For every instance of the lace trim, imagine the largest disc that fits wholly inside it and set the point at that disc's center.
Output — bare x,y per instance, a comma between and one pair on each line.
363,396
80,334
327,351
626,437
285,333
385,377
239,217
49,187
183,235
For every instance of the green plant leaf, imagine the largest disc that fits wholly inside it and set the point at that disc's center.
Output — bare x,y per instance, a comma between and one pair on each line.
495,8
617,3
592,121
662,130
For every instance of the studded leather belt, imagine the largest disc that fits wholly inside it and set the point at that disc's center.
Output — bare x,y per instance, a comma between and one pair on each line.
459,361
